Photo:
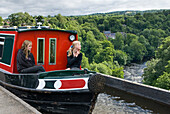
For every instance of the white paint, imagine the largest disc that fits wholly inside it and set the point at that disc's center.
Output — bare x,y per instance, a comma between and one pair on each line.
41,84
57,84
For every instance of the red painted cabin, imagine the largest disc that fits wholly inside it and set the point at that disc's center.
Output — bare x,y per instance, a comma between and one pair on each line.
49,47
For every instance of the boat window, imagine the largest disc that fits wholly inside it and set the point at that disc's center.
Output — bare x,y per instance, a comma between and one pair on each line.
52,51
2,39
40,50
6,48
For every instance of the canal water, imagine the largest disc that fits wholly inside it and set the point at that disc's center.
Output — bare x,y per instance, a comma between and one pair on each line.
117,102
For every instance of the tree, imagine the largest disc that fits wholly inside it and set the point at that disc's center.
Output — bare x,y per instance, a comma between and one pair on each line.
129,37
106,25
1,20
163,51
118,41
91,46
118,72
167,67
80,20
105,55
73,25
163,81
102,68
138,50
146,33
138,16
20,19
121,57
101,27
62,21
150,73
54,21
116,25
85,62
98,35
158,70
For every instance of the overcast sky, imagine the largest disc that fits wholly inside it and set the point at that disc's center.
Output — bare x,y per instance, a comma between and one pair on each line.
77,7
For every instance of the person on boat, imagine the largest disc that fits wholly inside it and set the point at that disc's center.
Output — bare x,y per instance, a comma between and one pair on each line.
25,59
74,56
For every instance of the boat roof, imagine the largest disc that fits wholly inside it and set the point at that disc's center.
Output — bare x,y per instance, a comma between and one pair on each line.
25,29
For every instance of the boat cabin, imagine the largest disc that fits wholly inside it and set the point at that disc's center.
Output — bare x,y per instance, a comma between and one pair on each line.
49,47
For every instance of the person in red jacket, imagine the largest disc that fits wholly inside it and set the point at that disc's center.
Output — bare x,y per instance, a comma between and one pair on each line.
25,59
74,56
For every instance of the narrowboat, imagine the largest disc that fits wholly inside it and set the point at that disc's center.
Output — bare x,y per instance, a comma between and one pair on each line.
55,91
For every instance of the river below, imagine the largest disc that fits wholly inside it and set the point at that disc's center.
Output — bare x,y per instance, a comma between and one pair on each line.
134,72
114,102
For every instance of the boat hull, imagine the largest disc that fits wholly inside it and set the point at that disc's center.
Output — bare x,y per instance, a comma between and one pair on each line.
49,101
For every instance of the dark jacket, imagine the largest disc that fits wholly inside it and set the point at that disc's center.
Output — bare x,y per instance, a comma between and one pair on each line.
74,62
23,62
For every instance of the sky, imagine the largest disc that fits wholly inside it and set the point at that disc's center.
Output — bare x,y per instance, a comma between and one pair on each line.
77,7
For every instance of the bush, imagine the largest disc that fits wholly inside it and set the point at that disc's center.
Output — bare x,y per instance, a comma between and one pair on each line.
163,81
118,72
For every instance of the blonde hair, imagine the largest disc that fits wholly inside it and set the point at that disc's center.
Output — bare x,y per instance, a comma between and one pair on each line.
70,50
24,47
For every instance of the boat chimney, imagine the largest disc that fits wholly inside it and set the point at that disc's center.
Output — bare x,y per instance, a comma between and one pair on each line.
39,25
39,21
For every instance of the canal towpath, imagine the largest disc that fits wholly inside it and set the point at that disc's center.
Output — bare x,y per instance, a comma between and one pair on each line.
11,104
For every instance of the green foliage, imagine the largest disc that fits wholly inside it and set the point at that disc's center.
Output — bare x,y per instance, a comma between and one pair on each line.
90,46
121,57
1,21
150,73
129,37
157,71
163,51
73,25
106,24
137,50
104,55
118,72
20,19
108,68
85,62
118,41
163,81
167,67
102,68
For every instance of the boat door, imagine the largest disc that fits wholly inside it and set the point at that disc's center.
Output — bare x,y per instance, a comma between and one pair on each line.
47,50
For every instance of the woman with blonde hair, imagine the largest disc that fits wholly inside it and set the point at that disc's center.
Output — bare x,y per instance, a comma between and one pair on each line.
25,59
74,56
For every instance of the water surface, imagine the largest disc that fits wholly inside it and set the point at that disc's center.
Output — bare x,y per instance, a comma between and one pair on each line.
117,102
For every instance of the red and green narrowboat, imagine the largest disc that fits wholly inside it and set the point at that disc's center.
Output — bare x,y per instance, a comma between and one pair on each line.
55,91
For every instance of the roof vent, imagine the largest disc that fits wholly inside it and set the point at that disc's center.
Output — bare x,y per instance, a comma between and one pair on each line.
39,21
39,25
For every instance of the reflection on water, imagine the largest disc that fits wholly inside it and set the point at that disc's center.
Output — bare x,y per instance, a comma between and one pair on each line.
107,104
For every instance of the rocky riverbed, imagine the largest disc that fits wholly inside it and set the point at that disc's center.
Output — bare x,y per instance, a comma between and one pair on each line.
134,72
